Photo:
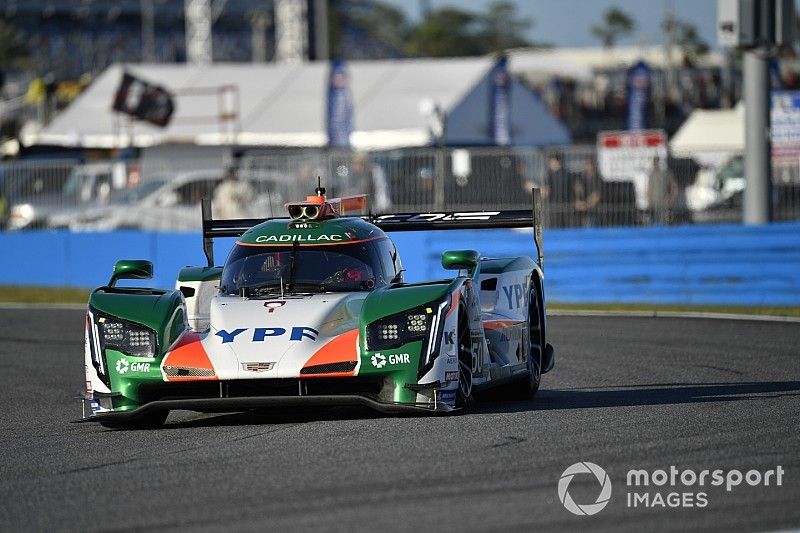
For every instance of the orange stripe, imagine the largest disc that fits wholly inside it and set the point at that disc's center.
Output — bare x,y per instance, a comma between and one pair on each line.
500,324
292,243
189,353
454,303
340,349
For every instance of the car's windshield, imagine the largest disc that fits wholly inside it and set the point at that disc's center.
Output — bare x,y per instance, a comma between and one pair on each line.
255,271
133,195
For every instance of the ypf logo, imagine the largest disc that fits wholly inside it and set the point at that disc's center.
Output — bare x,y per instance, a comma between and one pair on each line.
378,360
122,366
590,508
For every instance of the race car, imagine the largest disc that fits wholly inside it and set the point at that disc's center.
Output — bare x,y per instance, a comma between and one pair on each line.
312,310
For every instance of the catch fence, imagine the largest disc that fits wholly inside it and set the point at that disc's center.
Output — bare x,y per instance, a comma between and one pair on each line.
162,194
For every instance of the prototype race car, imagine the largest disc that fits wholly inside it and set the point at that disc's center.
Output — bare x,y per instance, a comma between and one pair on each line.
312,310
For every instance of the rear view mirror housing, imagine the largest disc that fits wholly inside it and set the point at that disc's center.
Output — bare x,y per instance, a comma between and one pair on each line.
461,260
131,269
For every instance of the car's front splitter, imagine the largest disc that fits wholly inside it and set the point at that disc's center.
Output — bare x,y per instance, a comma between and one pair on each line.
247,403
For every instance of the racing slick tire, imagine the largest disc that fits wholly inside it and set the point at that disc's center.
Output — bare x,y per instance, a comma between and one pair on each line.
464,398
526,388
152,420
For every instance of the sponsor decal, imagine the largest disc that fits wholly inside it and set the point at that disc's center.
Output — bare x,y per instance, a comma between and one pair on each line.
451,375
123,366
450,337
515,295
379,360
273,305
446,396
298,333
299,238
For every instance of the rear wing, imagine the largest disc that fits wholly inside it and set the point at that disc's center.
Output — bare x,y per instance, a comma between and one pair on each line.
521,218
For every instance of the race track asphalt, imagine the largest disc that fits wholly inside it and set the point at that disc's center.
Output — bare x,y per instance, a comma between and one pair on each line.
626,393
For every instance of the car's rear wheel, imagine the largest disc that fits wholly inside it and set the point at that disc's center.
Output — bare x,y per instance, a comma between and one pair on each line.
464,344
528,386
152,420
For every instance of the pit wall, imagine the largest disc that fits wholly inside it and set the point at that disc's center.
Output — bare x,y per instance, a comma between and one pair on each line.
710,265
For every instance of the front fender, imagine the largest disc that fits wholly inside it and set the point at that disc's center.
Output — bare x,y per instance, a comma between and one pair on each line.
163,311
401,364
118,375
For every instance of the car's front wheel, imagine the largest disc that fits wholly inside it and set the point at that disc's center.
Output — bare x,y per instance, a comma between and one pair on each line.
465,356
528,386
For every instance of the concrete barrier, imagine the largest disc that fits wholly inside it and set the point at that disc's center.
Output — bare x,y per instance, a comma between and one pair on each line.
720,264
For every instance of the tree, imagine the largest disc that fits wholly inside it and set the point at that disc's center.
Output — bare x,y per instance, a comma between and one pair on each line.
503,28
689,41
616,24
449,31
382,25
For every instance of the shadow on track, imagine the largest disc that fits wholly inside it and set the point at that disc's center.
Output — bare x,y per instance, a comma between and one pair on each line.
279,416
651,394
578,398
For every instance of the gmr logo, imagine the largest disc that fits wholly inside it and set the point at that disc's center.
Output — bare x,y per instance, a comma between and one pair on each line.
123,366
586,509
379,360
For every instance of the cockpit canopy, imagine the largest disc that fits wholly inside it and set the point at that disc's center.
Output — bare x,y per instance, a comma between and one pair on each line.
257,270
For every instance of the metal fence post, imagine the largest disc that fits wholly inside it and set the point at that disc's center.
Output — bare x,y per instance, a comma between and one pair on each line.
438,184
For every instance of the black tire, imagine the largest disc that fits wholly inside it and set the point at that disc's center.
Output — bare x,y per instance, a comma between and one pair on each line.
152,420
464,343
526,388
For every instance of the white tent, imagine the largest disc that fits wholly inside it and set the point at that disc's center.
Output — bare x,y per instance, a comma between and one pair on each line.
285,105
711,137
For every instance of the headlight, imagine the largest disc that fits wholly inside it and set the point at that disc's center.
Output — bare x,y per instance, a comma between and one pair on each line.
126,337
419,323
395,330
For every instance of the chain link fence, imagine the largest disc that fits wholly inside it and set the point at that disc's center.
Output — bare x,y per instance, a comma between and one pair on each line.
163,194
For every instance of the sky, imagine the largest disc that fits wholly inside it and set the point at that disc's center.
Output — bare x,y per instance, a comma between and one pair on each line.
567,22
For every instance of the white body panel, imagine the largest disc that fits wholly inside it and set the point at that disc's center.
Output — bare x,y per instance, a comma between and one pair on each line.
246,331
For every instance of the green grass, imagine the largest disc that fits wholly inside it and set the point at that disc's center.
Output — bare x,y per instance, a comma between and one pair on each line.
43,295
24,294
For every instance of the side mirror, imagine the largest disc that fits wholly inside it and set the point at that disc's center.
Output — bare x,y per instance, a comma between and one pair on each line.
461,260
131,269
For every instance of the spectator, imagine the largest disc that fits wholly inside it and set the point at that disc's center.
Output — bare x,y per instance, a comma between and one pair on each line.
231,196
369,178
586,194
662,191
556,191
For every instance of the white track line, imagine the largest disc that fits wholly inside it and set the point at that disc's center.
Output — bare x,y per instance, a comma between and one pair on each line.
672,314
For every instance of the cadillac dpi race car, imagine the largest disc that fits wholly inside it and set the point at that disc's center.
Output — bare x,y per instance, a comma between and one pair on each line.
312,310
